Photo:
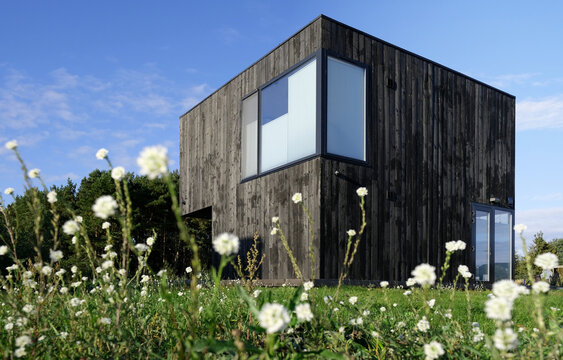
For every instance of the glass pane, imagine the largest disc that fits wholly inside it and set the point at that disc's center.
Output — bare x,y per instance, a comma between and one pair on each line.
481,245
249,136
288,121
346,109
503,242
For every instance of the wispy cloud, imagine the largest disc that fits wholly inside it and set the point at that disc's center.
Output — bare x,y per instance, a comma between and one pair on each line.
507,80
546,113
547,220
229,35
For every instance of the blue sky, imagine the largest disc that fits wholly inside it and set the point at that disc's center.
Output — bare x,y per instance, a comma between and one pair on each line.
76,76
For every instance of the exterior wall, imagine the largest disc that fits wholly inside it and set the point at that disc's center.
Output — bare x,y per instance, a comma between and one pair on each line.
210,166
437,142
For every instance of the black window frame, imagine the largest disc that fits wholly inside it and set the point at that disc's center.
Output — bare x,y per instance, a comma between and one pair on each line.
321,57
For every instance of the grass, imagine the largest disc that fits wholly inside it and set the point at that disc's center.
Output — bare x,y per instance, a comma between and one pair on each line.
124,311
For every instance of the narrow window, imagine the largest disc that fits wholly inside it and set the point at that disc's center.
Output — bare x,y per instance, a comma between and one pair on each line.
346,109
249,132
288,118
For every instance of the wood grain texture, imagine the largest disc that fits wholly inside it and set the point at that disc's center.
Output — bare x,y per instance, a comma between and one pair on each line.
437,141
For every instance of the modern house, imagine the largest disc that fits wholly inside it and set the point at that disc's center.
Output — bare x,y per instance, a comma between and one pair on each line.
332,109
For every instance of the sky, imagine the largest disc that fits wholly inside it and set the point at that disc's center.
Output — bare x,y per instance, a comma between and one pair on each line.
76,76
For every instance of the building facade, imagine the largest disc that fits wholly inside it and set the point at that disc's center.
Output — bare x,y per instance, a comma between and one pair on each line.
332,109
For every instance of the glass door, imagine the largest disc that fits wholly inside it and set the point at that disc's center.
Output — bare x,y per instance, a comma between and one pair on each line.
493,242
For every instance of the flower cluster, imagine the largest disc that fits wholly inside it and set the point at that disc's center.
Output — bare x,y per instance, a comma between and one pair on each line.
153,161
273,317
453,246
424,274
226,244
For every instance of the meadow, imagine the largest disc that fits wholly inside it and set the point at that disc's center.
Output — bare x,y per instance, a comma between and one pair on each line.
115,306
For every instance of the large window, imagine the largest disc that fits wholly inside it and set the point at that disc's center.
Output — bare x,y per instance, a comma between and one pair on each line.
289,116
283,121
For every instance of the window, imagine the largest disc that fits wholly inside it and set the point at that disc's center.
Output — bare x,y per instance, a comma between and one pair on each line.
289,116
281,122
346,109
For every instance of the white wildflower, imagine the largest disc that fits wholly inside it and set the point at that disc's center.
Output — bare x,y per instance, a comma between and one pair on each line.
63,290
141,247
382,309
61,272
3,250
46,270
506,289
256,293
353,300
104,207
384,284
540,287
23,341
431,303
55,255
411,282
407,293
52,197
477,335
153,161
433,350
520,228
308,285
71,227
73,240
145,278
505,339
78,219
424,274
9,191
226,244
12,267
63,334
11,145
9,326
74,269
161,273
341,329
274,231
107,264
20,352
150,241
362,191
76,284
189,269
303,312
297,198
273,317
546,261
275,219
304,296
351,232
28,308
106,225
33,173
101,154
118,173
74,302
463,270
498,308
423,325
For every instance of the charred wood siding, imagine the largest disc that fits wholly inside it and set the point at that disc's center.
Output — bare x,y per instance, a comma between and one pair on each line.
210,166
437,141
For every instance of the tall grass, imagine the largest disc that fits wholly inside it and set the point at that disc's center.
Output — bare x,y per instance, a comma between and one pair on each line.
119,311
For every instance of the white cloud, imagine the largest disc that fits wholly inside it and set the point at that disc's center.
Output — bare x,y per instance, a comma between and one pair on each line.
507,80
547,220
546,113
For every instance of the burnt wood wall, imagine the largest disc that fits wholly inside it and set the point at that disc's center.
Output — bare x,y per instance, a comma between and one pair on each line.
210,167
437,141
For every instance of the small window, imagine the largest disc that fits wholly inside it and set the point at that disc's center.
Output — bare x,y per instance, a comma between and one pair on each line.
288,118
249,136
346,109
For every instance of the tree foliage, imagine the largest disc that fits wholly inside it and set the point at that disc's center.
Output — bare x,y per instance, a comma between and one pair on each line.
152,215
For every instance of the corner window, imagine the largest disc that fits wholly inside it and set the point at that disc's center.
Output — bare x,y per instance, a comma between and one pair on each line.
288,121
284,122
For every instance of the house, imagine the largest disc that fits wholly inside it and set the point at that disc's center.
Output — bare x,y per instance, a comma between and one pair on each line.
332,109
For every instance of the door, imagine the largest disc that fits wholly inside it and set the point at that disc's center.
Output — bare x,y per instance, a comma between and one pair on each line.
493,242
